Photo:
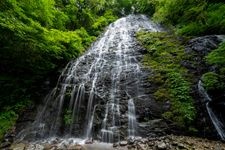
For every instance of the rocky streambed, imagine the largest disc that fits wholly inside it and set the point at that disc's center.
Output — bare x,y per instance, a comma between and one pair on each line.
170,142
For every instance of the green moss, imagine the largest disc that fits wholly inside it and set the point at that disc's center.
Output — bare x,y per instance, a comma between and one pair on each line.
211,81
68,117
156,79
182,103
164,54
161,95
9,115
217,56
7,119
222,71
192,129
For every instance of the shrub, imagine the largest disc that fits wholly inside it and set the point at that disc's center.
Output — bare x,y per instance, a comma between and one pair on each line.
211,81
161,95
9,115
217,57
68,117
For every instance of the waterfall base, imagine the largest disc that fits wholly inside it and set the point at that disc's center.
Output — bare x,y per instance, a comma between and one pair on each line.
170,142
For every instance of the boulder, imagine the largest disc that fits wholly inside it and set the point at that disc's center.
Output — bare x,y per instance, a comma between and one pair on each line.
35,147
123,143
19,146
76,147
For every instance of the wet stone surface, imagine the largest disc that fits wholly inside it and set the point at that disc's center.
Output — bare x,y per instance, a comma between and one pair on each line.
170,142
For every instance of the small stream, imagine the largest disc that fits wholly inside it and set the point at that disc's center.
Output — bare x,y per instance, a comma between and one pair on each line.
215,116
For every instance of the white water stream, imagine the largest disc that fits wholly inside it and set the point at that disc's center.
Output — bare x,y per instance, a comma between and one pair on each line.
219,126
97,78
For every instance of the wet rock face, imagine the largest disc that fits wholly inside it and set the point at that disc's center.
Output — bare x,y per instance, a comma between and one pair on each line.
104,94
197,49
203,45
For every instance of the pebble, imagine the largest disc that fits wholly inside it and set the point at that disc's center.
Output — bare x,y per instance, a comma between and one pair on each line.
76,147
161,146
123,143
164,143
115,145
19,146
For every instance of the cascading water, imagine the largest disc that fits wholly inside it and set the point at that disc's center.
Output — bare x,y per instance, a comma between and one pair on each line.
219,126
94,96
132,122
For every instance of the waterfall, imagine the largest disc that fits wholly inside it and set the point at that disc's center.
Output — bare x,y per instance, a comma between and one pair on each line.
95,94
219,126
132,122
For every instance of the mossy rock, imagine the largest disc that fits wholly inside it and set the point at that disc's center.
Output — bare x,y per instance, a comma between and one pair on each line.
211,81
164,55
157,79
162,95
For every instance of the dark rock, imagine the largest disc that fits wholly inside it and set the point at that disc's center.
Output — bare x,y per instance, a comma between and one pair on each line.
197,49
141,146
115,145
167,105
130,146
181,146
203,45
156,127
55,141
89,141
174,143
5,145
130,141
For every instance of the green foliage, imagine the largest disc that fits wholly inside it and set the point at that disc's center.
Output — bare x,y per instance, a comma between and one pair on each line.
190,29
144,6
161,95
165,52
7,119
166,12
9,115
182,103
217,57
211,81
102,21
37,39
193,17
179,87
36,34
215,21
68,117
